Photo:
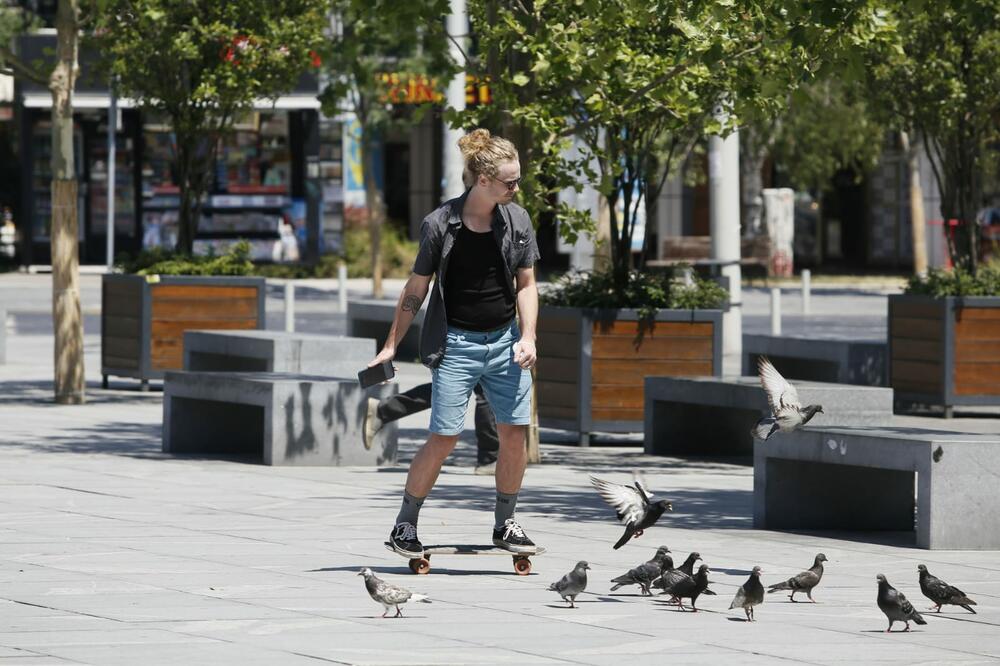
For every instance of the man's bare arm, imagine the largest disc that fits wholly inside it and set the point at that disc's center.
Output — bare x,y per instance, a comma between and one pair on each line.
414,293
527,310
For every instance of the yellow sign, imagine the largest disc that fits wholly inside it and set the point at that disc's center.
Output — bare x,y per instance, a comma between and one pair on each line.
403,88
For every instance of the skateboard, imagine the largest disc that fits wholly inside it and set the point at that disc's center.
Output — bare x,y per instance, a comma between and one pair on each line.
422,565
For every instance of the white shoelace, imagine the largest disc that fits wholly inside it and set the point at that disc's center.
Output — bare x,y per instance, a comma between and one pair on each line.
512,528
409,532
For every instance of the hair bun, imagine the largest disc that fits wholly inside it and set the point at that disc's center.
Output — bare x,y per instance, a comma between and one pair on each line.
474,142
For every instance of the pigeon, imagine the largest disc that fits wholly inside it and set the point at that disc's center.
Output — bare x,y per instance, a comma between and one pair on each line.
750,594
387,594
691,588
572,583
787,413
669,575
893,603
644,574
632,505
942,593
803,582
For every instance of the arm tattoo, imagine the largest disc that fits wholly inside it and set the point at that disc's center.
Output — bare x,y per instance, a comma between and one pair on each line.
411,303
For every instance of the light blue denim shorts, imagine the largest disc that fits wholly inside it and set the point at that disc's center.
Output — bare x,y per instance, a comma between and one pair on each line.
472,357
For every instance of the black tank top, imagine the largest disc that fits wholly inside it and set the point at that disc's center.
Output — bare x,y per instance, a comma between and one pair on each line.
475,297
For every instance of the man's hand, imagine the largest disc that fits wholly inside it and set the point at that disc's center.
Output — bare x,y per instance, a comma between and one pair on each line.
387,354
525,354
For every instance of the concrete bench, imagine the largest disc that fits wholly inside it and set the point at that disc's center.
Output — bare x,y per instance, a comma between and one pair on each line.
713,415
276,351
827,359
373,318
277,418
862,478
3,335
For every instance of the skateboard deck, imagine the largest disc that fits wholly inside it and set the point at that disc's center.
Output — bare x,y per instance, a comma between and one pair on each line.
422,565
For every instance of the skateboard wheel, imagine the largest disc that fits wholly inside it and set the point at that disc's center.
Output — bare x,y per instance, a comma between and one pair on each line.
420,566
522,565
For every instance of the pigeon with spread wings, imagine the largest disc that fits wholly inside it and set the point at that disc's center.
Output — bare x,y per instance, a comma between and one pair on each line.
632,505
787,412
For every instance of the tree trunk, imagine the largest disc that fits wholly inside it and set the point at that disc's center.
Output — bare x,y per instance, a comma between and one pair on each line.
67,323
195,155
917,220
752,156
374,209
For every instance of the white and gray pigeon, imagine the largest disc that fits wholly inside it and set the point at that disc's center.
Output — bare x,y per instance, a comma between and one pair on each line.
387,594
750,594
572,583
942,593
802,582
787,412
644,574
632,505
894,604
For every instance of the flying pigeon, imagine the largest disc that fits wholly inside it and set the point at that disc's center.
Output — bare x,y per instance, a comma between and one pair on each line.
691,588
670,576
632,505
942,593
750,594
803,582
895,606
787,413
644,574
387,594
572,583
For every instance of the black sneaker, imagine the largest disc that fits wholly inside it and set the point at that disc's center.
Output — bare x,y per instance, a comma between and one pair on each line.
512,537
403,539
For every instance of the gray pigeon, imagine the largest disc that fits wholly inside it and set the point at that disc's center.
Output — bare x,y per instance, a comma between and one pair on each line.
787,413
803,582
691,588
942,593
387,594
895,606
750,594
670,576
644,574
632,505
572,583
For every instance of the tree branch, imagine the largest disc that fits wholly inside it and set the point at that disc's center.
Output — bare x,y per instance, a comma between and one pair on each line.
20,69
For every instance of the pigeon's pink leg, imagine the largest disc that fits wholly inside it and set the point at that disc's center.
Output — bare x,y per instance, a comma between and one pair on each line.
907,626
399,613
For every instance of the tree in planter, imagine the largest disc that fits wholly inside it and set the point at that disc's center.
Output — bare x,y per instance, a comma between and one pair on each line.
203,63
60,78
637,83
944,82
373,43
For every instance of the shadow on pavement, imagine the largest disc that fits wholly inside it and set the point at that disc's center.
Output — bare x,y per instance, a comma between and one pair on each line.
40,392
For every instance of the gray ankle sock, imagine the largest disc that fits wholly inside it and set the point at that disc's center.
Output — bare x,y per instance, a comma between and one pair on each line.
504,508
410,509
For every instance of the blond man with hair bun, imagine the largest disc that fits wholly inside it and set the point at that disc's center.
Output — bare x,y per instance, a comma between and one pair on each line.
479,328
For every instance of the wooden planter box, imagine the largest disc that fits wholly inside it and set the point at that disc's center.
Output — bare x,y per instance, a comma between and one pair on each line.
143,318
592,363
944,351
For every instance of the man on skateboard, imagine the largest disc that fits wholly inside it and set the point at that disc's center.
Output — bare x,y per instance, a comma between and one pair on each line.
481,248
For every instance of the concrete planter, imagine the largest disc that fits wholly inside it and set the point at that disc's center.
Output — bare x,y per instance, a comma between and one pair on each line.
944,351
592,363
143,318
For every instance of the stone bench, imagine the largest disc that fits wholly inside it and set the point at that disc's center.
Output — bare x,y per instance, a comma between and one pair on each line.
713,415
862,478
276,351
826,359
372,318
3,335
276,418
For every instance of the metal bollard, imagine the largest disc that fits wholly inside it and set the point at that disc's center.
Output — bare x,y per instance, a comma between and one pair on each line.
290,306
775,311
342,286
806,290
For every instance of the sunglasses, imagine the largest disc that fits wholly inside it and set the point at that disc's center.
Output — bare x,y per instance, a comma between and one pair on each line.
510,184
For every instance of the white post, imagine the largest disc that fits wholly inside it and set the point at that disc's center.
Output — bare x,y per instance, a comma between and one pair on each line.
112,147
806,290
724,210
342,286
290,306
775,311
458,28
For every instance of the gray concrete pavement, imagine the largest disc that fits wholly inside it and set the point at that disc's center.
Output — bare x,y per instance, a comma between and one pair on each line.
113,553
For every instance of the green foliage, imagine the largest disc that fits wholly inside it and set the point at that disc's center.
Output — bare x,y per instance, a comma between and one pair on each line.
645,292
398,253
958,282
163,262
